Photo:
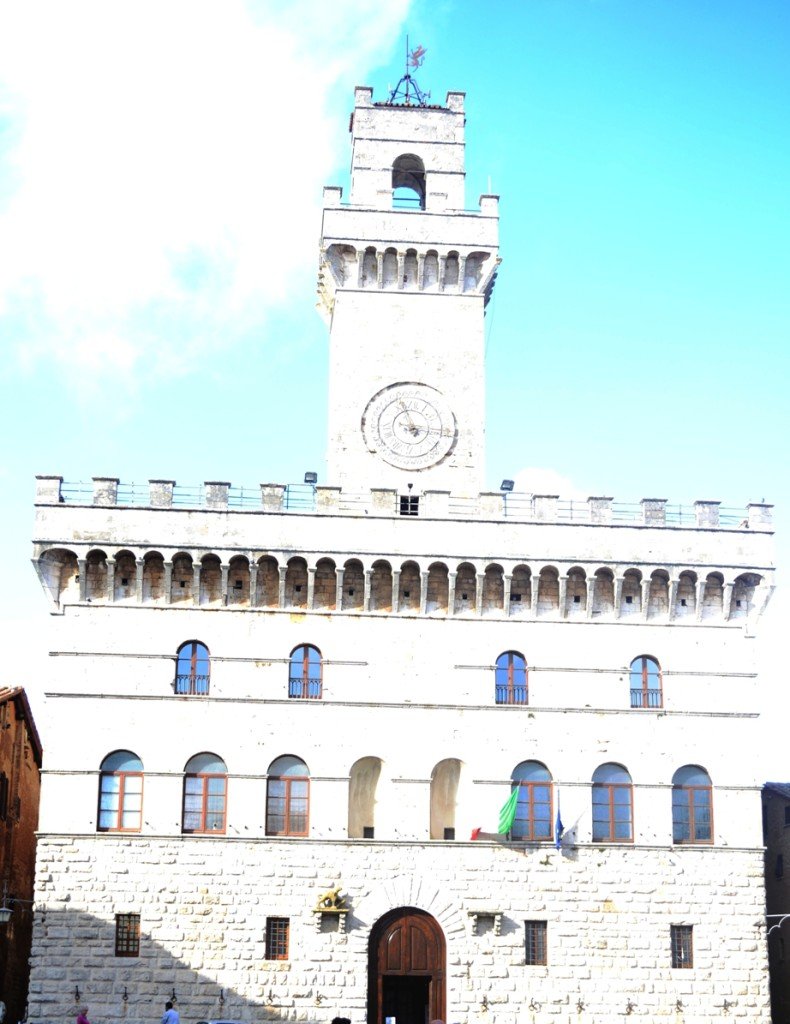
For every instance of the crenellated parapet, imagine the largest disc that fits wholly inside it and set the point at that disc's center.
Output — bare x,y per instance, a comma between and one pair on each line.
427,268
386,502
535,559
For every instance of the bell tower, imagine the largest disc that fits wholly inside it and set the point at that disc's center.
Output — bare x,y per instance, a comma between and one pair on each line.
405,275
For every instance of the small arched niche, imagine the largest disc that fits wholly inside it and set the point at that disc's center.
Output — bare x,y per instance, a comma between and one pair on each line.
445,779
363,782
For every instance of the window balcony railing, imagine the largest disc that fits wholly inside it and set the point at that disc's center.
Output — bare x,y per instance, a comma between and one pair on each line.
304,689
510,694
192,684
646,699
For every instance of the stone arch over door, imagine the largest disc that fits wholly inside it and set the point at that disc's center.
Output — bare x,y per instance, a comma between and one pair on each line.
406,968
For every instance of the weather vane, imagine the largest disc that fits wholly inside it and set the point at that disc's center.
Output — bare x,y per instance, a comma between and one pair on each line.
407,91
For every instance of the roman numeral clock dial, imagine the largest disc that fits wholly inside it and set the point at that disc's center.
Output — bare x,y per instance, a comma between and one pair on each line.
409,426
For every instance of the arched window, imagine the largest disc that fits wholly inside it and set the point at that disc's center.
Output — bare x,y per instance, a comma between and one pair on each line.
533,809
510,678
646,683
121,793
408,182
304,673
192,668
612,805
692,805
288,797
205,794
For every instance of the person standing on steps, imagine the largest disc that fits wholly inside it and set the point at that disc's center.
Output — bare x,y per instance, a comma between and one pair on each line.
82,1016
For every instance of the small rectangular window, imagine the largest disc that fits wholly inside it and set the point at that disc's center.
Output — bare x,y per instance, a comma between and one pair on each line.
779,867
515,597
787,813
277,929
535,943
368,832
409,505
127,934
449,833
682,947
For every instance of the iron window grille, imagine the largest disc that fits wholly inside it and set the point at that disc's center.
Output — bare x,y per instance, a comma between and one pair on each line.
277,935
682,945
535,944
127,934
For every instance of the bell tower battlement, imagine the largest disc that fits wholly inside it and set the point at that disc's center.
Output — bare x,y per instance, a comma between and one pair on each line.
405,275
434,168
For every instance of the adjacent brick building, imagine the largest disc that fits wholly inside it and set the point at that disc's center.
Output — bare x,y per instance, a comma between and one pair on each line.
300,705
20,782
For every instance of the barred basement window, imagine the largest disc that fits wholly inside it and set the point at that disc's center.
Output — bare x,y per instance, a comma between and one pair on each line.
127,934
682,947
535,943
277,929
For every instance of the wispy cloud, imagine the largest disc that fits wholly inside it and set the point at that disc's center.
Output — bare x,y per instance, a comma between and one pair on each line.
161,169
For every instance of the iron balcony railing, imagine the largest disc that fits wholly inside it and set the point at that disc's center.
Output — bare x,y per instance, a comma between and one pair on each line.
504,694
646,698
304,689
192,684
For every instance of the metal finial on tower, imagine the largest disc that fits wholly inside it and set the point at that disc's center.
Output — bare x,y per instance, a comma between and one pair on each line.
407,91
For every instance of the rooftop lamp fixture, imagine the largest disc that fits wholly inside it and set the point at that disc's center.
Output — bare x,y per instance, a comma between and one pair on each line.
311,478
506,485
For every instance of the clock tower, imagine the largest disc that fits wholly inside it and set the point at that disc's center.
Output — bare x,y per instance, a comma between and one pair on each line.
405,275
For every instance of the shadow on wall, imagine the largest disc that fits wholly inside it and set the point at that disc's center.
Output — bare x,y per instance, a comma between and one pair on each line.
74,964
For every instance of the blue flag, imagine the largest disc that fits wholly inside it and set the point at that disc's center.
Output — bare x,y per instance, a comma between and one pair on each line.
558,828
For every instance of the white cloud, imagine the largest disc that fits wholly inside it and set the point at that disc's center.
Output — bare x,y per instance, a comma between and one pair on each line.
161,164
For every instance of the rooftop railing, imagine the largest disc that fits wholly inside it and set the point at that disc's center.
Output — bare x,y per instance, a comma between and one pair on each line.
310,498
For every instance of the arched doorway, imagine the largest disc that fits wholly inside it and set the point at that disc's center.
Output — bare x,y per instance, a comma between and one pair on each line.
406,969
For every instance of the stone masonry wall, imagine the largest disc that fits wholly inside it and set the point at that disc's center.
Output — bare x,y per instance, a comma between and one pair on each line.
608,914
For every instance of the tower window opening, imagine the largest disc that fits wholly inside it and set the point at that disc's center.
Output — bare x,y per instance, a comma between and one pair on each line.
629,599
408,183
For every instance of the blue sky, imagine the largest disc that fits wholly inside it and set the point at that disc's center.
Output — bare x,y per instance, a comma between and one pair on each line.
160,188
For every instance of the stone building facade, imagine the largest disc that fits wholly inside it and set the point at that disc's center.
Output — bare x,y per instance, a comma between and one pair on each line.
308,700
20,785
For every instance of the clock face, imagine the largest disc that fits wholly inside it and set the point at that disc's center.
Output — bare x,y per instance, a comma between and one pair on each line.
409,425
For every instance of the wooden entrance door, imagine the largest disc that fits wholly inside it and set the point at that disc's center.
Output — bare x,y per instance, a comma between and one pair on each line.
406,968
